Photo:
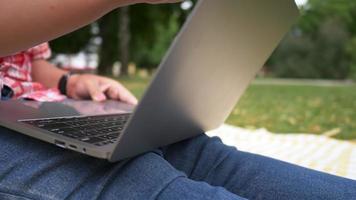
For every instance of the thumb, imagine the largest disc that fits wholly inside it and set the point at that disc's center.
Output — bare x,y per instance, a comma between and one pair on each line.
95,92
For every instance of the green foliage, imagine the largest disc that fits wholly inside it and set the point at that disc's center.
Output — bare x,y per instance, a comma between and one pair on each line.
292,58
72,43
330,56
152,30
319,45
318,11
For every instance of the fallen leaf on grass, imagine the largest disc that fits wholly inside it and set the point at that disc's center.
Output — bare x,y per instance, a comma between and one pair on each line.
332,133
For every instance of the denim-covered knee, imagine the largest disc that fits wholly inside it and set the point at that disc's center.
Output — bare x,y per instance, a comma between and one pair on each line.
198,155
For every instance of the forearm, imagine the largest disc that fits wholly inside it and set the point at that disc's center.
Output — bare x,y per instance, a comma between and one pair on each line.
28,23
46,73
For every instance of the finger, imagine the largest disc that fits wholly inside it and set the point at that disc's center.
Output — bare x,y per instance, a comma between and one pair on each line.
123,95
113,93
108,86
105,87
95,91
119,92
127,96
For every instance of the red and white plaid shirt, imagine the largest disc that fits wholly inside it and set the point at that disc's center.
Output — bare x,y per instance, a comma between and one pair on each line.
15,72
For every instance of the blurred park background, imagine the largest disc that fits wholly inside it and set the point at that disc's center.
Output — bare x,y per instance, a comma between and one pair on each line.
307,85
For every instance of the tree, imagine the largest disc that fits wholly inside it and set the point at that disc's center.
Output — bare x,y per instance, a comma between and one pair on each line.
108,51
329,55
319,45
152,31
124,36
351,50
139,33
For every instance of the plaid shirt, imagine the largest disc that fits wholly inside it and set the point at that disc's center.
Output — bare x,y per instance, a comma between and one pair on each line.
15,72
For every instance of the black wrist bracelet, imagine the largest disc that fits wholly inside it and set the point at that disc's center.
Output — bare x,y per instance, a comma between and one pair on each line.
62,84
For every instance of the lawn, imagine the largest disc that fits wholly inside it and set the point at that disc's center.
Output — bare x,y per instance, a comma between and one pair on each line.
327,110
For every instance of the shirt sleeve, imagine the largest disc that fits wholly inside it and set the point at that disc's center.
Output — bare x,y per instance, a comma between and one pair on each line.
40,52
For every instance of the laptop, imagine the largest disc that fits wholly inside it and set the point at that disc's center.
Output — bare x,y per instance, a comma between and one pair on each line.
217,53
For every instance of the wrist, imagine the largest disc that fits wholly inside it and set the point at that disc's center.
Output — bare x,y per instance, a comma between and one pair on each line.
71,82
65,83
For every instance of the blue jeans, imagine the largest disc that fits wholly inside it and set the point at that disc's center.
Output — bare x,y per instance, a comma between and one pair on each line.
198,168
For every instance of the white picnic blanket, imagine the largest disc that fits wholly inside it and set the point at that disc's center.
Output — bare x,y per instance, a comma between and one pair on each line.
312,151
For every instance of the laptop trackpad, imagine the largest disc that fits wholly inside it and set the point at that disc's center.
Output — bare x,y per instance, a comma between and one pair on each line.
77,108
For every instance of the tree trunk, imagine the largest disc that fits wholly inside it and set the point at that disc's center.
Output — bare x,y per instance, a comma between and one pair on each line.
124,37
109,50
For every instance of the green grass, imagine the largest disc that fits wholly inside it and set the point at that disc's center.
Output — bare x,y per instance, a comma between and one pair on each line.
289,109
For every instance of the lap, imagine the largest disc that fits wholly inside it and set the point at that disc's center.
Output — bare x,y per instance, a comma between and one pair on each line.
197,168
31,169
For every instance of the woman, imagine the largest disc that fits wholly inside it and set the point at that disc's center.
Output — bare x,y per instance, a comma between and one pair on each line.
198,168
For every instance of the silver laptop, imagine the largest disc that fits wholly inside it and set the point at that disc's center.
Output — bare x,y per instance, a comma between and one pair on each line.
217,53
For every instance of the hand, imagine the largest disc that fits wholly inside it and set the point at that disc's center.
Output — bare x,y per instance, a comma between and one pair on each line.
97,88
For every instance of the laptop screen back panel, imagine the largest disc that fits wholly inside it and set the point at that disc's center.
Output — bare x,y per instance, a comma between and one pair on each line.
211,62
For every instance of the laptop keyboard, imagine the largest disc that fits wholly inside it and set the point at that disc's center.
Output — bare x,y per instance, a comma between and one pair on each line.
98,130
